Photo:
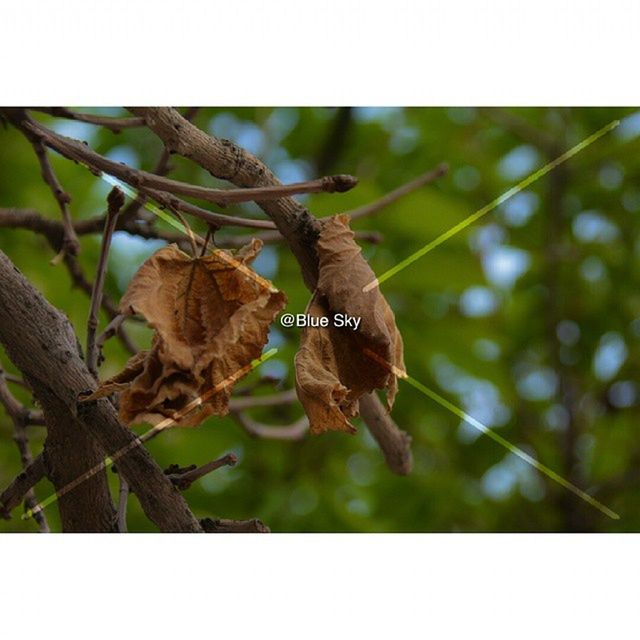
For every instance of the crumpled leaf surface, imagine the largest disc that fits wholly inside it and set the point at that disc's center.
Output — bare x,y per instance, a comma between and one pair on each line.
211,318
332,369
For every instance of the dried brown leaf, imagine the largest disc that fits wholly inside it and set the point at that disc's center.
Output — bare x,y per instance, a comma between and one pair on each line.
332,369
211,318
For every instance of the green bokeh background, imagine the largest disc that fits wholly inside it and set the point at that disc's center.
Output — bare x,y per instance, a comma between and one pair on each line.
529,319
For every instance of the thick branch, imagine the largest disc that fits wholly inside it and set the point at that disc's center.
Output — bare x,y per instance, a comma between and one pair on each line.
226,161
395,443
41,343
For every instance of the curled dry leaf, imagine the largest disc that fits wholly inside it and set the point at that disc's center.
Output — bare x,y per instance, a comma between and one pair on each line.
211,318
332,369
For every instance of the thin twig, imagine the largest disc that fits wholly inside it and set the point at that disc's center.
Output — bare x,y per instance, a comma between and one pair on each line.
272,400
23,486
79,280
523,129
273,237
400,192
123,498
110,330
294,431
53,231
146,181
222,525
183,480
162,168
9,377
206,241
70,242
115,201
190,234
170,201
115,124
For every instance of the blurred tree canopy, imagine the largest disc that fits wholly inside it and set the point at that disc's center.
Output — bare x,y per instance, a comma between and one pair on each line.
529,320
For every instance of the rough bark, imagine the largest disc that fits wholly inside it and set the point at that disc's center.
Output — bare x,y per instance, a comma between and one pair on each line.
41,342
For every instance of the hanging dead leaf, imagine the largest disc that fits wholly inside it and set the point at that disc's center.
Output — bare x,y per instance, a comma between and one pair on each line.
332,369
211,317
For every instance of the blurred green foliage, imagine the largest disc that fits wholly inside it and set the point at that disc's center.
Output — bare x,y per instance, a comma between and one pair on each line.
529,320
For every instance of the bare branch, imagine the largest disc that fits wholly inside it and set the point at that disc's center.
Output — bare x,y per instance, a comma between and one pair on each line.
523,129
79,280
400,192
234,526
184,478
294,431
70,243
123,499
19,415
146,181
273,237
115,201
113,123
273,400
53,232
110,330
42,344
16,380
21,487
395,443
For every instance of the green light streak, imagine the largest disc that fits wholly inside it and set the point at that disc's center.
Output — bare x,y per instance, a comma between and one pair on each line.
147,205
510,447
110,460
491,206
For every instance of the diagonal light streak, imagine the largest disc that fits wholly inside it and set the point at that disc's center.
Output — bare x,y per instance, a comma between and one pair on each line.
223,255
443,402
536,175
139,440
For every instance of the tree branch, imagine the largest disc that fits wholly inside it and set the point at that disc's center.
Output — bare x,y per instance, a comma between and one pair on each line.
234,526
184,478
123,499
294,431
227,161
146,181
395,444
54,233
115,201
20,415
400,192
40,341
113,123
21,487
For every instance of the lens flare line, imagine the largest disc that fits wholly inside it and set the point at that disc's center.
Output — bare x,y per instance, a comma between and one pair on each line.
139,440
503,442
231,261
536,175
